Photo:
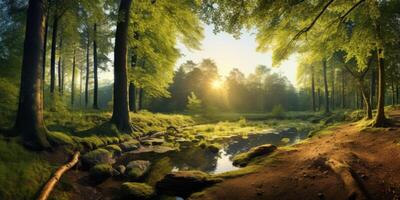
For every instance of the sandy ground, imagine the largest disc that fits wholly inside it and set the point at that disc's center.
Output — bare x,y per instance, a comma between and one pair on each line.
371,156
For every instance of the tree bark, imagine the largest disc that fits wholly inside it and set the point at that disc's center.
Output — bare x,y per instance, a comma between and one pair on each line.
59,68
380,119
343,93
53,55
365,99
393,94
73,81
333,89
319,99
45,47
120,116
325,87
373,86
397,93
141,96
95,78
29,121
312,89
87,71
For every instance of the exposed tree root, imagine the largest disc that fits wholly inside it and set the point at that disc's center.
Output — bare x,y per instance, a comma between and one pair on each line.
351,183
44,194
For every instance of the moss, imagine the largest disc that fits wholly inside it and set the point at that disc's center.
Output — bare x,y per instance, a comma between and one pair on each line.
22,173
115,149
244,158
214,148
98,156
59,138
100,172
139,191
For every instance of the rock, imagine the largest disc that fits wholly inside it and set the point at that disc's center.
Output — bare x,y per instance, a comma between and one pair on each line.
129,145
101,172
184,183
199,137
115,149
184,143
136,169
98,156
137,191
154,141
244,158
214,148
121,169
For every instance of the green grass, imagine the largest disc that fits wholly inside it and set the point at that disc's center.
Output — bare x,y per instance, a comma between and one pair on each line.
22,173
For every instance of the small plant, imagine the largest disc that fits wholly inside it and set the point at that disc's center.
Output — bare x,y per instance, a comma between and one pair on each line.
242,122
194,104
278,111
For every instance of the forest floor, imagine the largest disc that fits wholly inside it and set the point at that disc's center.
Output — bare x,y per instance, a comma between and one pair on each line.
348,160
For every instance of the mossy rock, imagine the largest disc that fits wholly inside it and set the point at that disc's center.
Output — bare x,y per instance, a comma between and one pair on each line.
213,148
115,149
129,145
137,169
137,191
244,158
59,138
98,156
101,172
184,183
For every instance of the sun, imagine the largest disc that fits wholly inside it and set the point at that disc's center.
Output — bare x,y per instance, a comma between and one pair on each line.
217,84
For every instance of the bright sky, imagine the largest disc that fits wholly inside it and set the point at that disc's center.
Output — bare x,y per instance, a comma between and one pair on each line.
228,53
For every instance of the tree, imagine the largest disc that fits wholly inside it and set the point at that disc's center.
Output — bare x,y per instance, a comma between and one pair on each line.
194,104
120,115
29,120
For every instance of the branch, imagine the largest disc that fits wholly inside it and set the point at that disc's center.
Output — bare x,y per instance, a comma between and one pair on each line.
350,10
44,194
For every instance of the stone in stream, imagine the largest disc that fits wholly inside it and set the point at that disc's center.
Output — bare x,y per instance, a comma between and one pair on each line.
121,169
98,156
137,168
184,183
244,158
137,191
129,145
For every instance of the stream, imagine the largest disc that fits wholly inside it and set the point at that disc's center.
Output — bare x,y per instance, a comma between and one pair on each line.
196,158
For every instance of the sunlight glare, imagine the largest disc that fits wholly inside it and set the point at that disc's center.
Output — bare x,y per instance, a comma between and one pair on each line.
217,84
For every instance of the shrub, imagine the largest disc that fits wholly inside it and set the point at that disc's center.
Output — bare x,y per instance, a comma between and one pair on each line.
278,111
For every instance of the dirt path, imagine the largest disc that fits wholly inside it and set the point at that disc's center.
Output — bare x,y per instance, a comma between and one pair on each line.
367,162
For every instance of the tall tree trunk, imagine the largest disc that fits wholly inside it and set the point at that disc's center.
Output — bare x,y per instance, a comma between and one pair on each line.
29,121
319,99
132,87
397,93
120,116
325,87
333,89
373,86
393,94
343,93
96,86
141,96
380,119
87,72
73,81
312,89
59,68
53,55
80,85
45,46
365,99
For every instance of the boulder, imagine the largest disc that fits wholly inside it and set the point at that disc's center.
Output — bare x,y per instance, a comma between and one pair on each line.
137,191
121,169
184,183
243,159
154,141
213,148
129,145
98,156
115,149
101,172
137,168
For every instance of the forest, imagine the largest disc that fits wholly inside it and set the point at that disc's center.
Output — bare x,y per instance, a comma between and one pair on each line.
114,99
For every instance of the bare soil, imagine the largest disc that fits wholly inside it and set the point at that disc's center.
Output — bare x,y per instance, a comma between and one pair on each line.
369,159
